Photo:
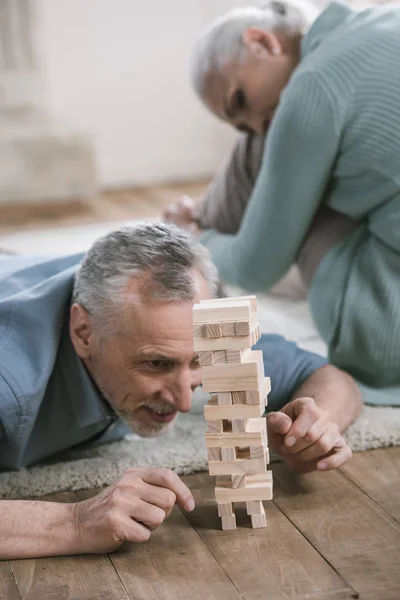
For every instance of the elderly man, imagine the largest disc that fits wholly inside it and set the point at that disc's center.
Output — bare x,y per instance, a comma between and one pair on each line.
83,344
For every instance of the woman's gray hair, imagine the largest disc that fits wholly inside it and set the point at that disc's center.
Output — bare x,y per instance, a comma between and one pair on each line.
162,250
222,41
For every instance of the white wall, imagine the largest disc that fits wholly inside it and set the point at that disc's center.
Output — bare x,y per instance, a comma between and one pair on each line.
119,68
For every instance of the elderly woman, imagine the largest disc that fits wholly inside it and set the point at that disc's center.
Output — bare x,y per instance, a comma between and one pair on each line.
328,187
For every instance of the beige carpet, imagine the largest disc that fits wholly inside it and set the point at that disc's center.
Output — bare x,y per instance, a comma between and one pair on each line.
182,450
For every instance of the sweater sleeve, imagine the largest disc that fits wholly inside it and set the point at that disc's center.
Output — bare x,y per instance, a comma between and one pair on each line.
300,151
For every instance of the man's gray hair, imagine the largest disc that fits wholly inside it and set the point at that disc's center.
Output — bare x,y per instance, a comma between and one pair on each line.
158,249
222,41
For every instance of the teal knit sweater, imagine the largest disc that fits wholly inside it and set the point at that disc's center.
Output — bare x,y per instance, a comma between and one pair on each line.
335,139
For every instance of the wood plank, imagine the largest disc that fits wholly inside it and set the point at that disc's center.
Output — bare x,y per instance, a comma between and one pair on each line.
359,540
274,563
237,466
225,343
77,577
377,473
221,312
8,587
259,488
214,411
174,564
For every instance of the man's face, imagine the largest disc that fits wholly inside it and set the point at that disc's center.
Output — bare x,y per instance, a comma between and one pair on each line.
147,371
246,93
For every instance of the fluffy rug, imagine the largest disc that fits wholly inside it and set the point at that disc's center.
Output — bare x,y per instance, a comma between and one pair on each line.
283,311
183,450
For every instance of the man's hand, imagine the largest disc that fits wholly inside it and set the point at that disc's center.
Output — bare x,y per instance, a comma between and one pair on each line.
183,214
306,437
130,509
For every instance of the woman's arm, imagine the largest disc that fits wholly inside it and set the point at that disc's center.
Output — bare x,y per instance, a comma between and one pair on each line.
299,156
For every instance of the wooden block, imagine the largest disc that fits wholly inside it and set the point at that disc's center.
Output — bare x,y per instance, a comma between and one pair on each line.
214,454
225,510
258,452
219,357
228,522
259,520
251,299
233,440
228,454
236,411
255,507
213,330
239,397
260,488
236,467
258,425
228,329
199,330
257,396
239,425
223,343
234,356
238,481
212,311
206,358
215,426
242,327
224,399
247,375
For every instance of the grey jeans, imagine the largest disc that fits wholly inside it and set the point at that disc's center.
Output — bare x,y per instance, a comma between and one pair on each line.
225,201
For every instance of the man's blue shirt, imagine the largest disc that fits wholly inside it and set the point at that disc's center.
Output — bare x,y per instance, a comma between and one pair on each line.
48,401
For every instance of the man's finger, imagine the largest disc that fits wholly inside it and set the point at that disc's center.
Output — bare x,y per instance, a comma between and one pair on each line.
168,479
339,455
307,428
321,447
278,423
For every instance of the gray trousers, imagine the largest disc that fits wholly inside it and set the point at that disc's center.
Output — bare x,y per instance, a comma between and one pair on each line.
225,201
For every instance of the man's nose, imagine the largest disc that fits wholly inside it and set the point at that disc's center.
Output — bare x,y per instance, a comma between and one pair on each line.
182,388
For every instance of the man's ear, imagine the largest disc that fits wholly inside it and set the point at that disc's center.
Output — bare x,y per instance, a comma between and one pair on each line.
260,42
80,331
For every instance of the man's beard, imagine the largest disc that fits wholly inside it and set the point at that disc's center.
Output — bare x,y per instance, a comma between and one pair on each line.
148,430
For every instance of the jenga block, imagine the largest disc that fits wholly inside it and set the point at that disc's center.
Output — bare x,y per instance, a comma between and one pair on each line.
206,358
213,330
212,311
228,329
224,399
242,328
239,397
233,440
215,426
219,357
239,425
255,507
228,522
235,356
238,481
258,425
199,330
258,452
257,396
214,454
228,454
228,411
225,510
247,375
224,343
251,299
259,488
237,466
259,520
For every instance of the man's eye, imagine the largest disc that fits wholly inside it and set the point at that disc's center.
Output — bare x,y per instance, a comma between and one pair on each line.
157,364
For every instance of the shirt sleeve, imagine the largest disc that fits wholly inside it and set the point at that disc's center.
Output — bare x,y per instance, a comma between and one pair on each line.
288,366
300,152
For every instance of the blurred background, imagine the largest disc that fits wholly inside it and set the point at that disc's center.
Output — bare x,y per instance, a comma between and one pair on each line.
98,123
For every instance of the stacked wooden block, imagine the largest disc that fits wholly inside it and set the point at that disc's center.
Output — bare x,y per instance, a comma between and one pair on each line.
224,331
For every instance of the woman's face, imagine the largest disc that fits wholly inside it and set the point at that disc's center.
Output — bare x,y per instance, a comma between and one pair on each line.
246,93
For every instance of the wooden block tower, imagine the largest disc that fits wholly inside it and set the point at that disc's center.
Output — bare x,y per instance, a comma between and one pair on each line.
224,331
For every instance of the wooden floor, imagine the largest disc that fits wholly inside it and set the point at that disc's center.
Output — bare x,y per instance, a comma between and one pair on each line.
330,536
138,203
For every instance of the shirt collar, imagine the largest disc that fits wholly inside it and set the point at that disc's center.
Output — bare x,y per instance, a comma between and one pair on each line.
330,18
